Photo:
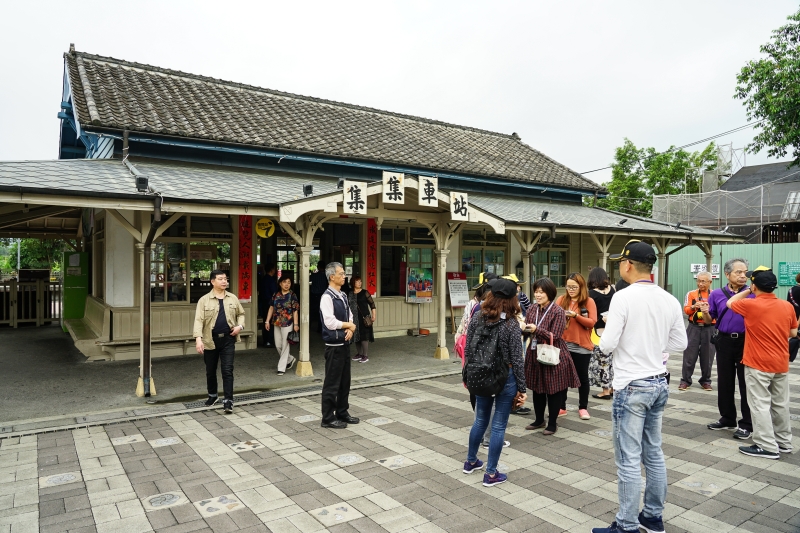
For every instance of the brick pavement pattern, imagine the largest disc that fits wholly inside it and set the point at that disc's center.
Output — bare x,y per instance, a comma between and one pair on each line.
270,467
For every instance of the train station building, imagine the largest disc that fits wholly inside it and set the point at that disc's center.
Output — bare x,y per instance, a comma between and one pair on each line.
243,177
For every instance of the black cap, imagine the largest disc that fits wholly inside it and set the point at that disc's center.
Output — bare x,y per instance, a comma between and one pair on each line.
484,277
503,288
763,278
636,251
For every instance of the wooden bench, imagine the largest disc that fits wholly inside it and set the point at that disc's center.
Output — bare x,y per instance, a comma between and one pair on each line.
87,331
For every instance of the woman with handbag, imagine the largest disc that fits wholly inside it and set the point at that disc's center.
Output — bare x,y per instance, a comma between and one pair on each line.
581,314
601,371
364,315
549,370
282,314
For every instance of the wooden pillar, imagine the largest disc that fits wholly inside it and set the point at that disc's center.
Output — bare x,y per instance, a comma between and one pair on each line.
441,279
304,364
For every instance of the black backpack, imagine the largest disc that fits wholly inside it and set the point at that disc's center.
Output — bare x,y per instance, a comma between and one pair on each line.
485,372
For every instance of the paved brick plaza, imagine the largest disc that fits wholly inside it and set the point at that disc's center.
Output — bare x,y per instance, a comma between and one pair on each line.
269,466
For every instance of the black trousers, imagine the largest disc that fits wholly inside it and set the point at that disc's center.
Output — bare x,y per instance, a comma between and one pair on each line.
729,369
699,346
553,402
581,362
223,353
336,387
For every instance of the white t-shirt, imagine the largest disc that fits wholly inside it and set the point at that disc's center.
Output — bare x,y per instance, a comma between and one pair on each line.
643,322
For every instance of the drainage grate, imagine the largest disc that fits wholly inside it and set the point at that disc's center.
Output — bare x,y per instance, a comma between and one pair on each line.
263,395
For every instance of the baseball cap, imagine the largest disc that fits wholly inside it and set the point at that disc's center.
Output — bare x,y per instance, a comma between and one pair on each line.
636,250
484,278
503,288
763,278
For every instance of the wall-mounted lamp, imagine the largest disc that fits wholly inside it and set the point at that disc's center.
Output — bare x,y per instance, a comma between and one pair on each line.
544,215
142,183
308,189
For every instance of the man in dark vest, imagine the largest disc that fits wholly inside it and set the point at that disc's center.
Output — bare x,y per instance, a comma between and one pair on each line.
337,331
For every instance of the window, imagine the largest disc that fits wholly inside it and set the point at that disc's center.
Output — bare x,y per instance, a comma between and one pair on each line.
792,208
551,264
483,251
401,249
184,256
99,253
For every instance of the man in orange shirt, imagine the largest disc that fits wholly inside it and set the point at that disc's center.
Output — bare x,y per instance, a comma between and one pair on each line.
769,323
699,331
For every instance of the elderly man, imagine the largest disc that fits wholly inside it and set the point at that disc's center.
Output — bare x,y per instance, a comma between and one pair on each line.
337,331
730,348
769,323
643,322
699,333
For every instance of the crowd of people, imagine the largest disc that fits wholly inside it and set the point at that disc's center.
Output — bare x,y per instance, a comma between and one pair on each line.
593,335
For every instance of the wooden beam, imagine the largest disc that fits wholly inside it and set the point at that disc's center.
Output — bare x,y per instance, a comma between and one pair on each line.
32,214
136,234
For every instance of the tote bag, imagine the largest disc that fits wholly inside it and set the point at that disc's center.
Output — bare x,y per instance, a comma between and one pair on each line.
548,354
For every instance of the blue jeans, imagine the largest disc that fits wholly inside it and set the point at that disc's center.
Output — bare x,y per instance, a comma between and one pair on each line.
483,414
636,423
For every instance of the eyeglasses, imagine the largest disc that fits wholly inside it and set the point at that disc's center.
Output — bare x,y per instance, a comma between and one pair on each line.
572,288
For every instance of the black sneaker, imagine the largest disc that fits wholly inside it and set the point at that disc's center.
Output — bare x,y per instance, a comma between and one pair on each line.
291,364
716,426
651,525
741,434
756,451
228,406
522,411
212,400
783,449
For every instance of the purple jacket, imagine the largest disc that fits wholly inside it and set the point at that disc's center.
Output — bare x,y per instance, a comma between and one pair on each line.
732,322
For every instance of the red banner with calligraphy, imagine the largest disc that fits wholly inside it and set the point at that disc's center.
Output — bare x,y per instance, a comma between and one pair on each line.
372,256
245,258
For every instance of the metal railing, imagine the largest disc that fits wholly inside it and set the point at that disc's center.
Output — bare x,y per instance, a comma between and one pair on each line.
34,302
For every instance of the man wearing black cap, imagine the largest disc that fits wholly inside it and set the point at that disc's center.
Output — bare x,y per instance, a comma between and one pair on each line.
769,323
643,322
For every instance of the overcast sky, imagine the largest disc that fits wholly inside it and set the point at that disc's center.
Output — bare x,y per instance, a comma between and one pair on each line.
573,79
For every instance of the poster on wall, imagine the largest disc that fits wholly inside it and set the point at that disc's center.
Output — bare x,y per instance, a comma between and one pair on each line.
419,285
372,257
458,289
245,259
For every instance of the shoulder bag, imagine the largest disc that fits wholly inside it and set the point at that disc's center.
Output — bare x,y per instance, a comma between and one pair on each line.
548,354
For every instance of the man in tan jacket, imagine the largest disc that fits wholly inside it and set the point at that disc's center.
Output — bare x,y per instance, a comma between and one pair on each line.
218,321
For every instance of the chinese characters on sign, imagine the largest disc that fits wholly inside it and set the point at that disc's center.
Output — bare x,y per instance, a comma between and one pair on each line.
696,268
393,188
355,197
428,187
459,206
458,289
245,258
372,257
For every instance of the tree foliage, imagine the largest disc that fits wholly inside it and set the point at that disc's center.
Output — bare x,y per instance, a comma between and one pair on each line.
639,173
34,253
770,89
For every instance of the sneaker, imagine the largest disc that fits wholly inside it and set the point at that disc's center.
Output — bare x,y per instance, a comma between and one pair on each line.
280,373
651,525
562,412
294,360
485,444
212,400
363,359
522,411
472,467
756,451
741,434
228,406
716,426
613,528
682,386
491,481
357,357
706,386
583,414
783,449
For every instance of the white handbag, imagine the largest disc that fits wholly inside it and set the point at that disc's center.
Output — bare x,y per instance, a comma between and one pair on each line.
548,354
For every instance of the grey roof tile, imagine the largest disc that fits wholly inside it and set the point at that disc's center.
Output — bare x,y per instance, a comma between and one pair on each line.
116,94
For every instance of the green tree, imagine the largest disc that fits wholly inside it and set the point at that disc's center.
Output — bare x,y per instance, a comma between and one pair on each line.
770,89
639,173
34,253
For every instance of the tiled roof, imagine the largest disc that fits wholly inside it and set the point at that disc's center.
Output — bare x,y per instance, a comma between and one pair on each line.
755,175
515,210
110,93
223,185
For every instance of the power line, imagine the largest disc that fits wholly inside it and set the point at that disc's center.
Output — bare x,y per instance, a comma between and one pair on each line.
734,130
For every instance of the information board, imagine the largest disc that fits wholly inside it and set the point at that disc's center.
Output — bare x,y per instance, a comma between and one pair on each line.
787,271
458,289
419,285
